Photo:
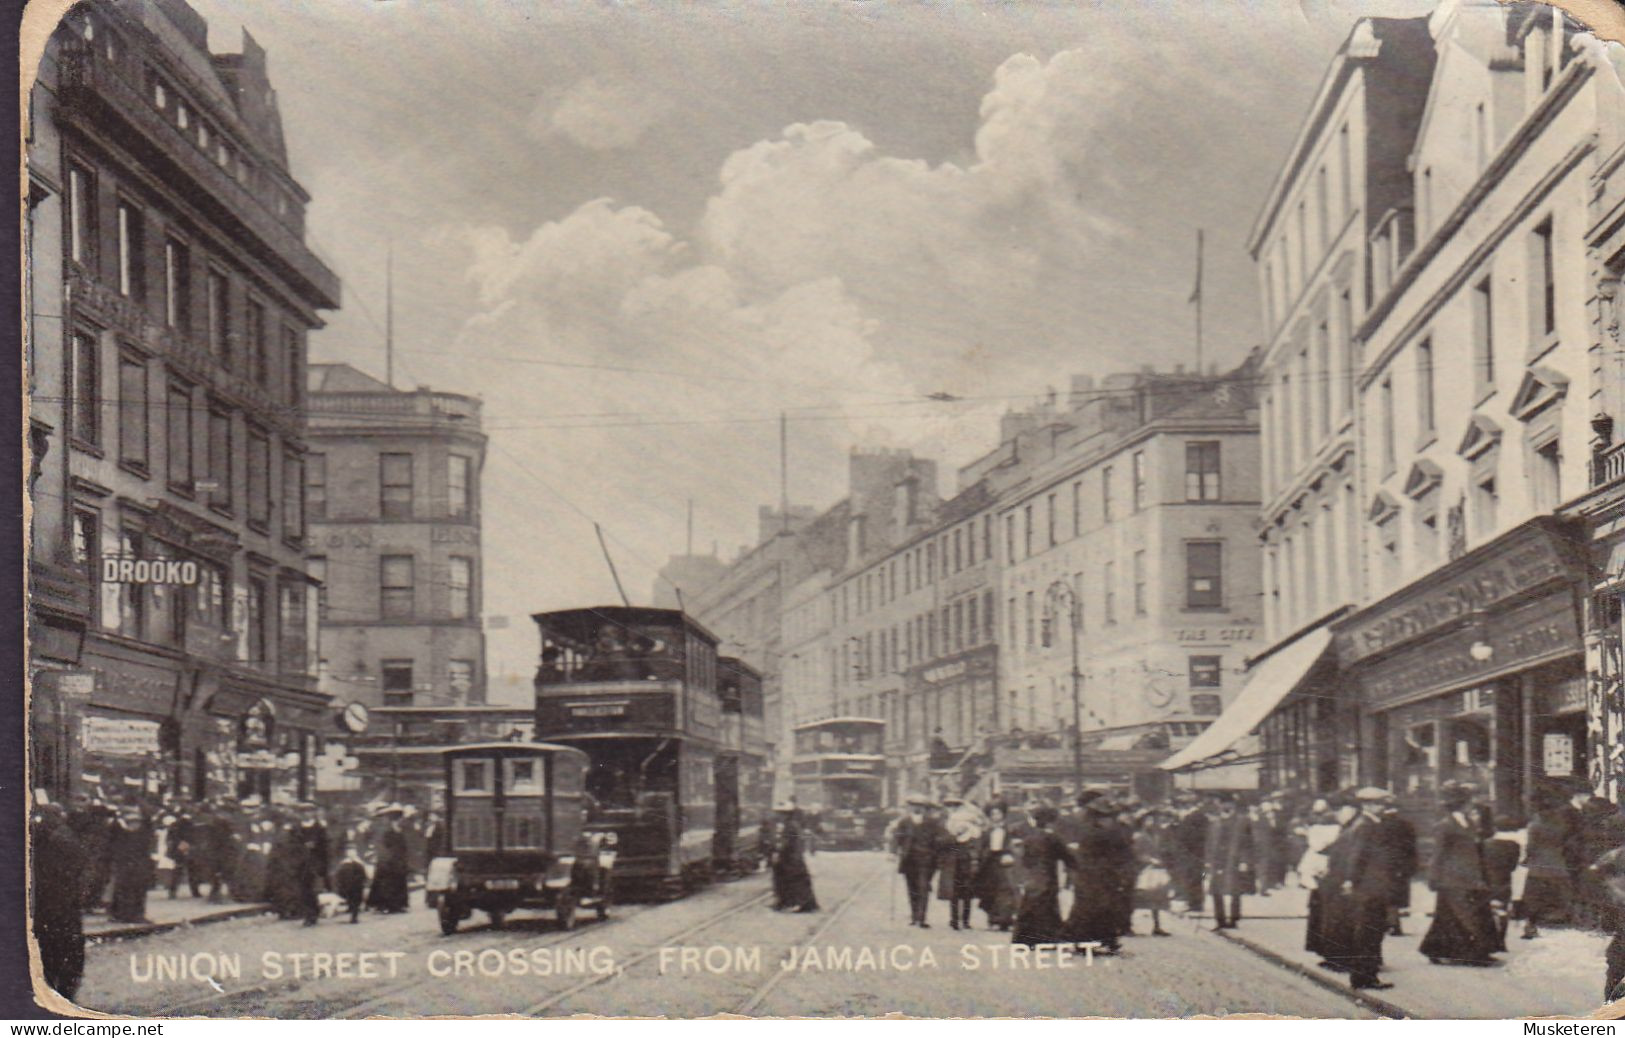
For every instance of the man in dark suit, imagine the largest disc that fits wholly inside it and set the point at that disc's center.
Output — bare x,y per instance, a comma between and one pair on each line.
310,842
59,893
1370,871
915,843
1399,835
1229,855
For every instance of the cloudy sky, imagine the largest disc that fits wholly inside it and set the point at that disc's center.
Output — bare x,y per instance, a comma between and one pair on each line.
640,231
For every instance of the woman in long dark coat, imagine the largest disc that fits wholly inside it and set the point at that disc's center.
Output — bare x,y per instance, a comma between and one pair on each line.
58,866
997,872
1548,890
281,864
1463,929
791,879
389,892
1038,921
1096,915
130,852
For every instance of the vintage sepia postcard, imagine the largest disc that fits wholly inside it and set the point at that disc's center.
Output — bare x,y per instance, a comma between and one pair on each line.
834,509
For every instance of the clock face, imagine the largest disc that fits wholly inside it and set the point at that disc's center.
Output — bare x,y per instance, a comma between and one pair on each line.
1158,695
355,717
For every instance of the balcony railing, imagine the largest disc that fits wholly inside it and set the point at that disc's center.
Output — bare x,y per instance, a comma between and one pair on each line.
188,357
93,91
1608,465
421,403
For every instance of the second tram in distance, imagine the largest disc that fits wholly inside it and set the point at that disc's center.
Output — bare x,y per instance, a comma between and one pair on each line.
677,755
840,776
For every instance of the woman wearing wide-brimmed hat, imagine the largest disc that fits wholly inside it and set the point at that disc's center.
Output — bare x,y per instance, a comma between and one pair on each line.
792,882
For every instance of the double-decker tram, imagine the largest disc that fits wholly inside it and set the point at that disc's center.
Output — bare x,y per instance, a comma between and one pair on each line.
840,772
636,690
743,783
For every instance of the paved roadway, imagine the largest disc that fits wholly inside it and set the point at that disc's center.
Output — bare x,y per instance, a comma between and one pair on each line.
719,951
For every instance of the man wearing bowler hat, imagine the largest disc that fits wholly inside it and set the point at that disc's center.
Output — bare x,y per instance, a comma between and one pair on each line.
1367,881
915,844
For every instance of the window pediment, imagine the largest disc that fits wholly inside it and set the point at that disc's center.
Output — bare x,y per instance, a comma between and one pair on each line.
1423,477
1383,507
1541,388
1482,436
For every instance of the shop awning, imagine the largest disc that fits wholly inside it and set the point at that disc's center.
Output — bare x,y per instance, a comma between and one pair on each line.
1268,684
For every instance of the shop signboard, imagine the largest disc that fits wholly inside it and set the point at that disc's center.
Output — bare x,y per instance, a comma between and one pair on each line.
1528,561
1535,633
118,736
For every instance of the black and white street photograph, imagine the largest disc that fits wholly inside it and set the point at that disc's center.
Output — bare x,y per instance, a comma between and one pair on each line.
835,509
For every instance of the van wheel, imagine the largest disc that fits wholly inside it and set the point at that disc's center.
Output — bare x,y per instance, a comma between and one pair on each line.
497,919
602,909
564,909
448,917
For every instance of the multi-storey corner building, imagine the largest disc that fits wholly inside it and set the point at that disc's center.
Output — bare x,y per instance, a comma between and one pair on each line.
1603,508
393,492
172,294
1335,226
1460,654
1135,534
1474,422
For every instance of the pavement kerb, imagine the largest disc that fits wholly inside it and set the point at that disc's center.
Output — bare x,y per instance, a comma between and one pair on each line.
1331,982
120,933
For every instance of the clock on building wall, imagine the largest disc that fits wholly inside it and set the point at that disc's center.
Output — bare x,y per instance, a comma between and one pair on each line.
354,718
1158,692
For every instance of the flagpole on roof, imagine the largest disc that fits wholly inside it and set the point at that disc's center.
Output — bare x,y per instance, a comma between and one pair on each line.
1196,297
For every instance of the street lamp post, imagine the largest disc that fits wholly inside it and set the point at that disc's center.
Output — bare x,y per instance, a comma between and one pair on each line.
1061,593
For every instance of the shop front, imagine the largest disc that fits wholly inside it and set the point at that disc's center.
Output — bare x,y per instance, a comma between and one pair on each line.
1476,674
948,704
261,743
118,716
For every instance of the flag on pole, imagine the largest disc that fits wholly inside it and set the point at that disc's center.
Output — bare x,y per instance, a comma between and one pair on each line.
1196,293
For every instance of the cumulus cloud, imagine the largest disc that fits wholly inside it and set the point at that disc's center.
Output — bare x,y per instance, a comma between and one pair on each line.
827,280
600,114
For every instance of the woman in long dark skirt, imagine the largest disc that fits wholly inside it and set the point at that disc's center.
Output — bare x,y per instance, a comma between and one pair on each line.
791,879
1548,890
281,885
1038,921
130,852
1095,917
389,890
997,873
1463,929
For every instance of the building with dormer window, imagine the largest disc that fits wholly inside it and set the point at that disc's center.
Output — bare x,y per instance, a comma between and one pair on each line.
172,293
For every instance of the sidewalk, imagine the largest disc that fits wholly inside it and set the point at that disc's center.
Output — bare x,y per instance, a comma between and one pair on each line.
165,914
1558,974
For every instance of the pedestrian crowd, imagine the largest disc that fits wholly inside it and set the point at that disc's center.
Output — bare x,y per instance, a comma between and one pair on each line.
91,856
1354,852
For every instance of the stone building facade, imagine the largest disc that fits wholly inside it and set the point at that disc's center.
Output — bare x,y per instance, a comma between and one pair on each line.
172,296
393,491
